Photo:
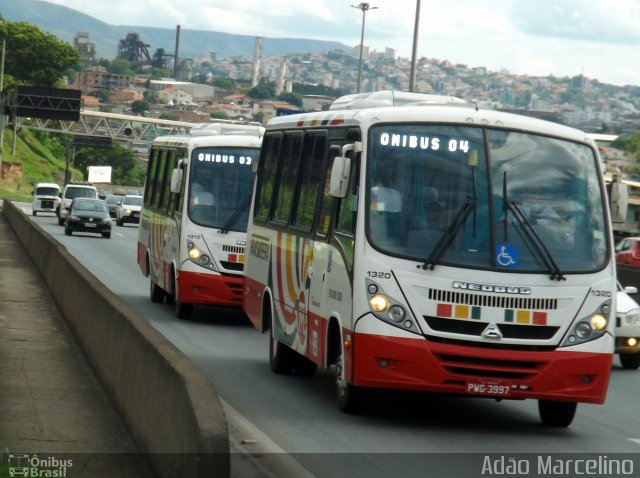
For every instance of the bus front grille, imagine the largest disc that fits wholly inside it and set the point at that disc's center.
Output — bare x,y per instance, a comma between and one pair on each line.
497,301
475,328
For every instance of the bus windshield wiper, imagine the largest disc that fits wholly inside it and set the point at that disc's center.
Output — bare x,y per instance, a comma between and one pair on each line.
537,244
455,225
452,229
232,220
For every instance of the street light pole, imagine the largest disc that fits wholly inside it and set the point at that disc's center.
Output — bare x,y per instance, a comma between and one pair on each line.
412,76
364,7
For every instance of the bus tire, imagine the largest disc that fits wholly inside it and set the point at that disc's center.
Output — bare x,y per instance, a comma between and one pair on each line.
282,359
557,414
351,399
630,361
156,294
304,367
183,310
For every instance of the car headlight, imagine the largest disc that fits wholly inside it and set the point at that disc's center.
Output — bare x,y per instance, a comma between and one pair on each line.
74,217
632,317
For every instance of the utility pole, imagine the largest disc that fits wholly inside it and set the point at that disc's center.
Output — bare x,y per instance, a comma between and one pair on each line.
364,7
412,76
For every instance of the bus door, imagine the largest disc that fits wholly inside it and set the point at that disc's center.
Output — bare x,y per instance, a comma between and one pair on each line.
332,262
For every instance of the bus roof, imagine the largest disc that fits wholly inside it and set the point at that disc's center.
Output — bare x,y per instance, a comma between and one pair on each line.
233,140
429,109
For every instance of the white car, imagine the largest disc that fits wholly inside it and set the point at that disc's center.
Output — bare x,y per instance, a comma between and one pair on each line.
129,210
628,328
46,198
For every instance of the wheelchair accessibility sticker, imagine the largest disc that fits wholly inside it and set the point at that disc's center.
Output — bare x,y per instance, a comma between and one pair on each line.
506,256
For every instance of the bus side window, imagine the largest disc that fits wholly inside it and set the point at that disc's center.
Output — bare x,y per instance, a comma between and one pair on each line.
314,152
291,154
151,171
268,165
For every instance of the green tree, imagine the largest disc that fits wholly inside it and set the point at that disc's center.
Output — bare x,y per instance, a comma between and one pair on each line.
120,67
219,115
124,165
33,57
140,106
262,92
291,97
225,83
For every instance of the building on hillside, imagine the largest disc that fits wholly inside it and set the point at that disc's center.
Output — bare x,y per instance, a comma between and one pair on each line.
175,96
197,91
316,102
126,95
89,81
86,49
271,109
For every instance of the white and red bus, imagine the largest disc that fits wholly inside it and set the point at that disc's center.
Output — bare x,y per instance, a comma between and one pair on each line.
435,247
192,236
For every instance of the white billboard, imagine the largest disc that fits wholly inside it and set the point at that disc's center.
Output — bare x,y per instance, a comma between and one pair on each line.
99,174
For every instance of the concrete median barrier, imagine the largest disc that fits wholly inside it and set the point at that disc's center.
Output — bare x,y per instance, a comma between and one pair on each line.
170,407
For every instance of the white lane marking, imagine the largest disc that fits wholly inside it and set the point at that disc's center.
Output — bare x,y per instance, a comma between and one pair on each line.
635,440
254,454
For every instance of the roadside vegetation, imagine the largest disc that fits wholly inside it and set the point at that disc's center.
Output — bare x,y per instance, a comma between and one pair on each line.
33,162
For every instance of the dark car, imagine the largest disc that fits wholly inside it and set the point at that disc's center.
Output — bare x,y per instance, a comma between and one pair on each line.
88,215
113,202
628,251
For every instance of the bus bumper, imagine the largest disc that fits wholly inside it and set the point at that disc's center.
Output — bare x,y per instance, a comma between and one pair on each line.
210,289
418,364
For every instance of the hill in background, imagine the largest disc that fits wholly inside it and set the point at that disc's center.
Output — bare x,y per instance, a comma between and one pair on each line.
65,23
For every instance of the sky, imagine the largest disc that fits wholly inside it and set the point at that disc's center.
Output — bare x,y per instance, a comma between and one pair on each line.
597,38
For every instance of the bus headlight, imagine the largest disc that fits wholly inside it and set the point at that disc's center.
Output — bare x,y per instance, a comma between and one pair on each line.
379,302
583,330
589,328
199,257
598,322
396,313
195,253
388,309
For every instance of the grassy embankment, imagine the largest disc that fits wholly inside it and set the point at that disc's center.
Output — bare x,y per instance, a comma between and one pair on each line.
38,163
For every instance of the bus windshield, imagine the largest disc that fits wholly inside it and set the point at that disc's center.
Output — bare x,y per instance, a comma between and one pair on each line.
485,198
220,186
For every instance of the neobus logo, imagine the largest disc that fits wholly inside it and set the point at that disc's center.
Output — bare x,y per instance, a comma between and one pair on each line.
499,289
259,249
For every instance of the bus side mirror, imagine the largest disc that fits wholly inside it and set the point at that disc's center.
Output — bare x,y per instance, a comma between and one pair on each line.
340,177
176,180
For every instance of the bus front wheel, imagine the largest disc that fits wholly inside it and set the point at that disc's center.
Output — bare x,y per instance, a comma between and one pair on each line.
282,359
351,399
156,294
183,310
557,414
